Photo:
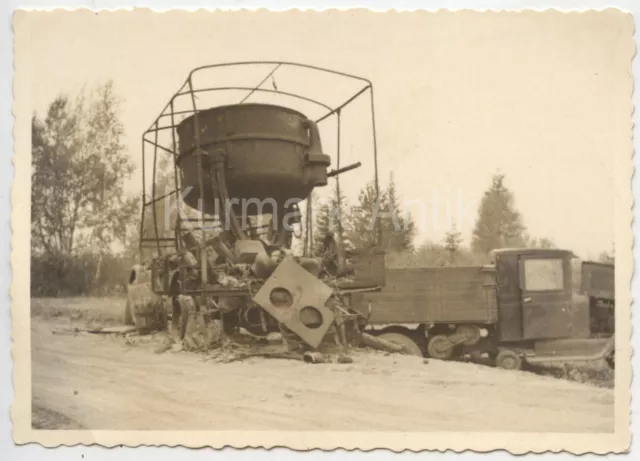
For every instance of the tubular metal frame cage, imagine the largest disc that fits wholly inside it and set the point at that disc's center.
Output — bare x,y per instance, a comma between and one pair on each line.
188,89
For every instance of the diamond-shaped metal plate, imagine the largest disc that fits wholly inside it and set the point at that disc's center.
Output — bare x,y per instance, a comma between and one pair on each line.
306,291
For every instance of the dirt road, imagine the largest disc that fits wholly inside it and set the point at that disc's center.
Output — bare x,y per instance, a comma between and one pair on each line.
107,382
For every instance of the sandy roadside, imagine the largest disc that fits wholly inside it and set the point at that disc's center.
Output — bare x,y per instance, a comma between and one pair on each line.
108,382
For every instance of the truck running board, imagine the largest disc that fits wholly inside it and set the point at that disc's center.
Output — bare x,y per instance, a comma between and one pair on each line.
578,356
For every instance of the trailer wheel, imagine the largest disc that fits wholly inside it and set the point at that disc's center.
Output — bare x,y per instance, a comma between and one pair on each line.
128,315
439,347
409,345
508,360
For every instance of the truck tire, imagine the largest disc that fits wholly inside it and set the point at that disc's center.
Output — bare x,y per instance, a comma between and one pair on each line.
409,345
439,347
508,360
128,315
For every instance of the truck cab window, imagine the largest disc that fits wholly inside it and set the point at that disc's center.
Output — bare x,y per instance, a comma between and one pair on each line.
543,275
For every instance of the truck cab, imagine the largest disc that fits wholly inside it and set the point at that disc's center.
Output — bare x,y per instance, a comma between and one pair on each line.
539,320
534,295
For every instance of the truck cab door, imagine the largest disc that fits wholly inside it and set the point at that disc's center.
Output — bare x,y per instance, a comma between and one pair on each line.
545,287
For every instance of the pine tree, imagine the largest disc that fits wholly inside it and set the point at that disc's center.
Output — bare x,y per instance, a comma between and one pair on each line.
364,231
499,224
382,217
398,227
452,242
331,218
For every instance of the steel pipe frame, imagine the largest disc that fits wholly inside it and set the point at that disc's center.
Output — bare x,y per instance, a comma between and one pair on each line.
155,126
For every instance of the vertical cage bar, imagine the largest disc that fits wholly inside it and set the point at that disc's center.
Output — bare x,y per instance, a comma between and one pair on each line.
144,199
153,193
308,240
199,153
375,166
176,183
338,195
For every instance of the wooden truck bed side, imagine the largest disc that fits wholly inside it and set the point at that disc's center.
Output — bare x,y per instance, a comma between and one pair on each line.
598,280
433,294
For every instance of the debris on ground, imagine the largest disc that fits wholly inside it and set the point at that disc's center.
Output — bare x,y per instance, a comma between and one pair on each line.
314,357
380,344
118,330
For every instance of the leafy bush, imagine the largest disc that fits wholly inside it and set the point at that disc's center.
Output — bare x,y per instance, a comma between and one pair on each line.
62,274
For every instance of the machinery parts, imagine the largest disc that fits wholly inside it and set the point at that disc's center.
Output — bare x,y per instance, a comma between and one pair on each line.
246,251
182,307
469,335
297,299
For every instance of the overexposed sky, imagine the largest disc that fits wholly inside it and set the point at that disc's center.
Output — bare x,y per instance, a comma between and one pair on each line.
543,98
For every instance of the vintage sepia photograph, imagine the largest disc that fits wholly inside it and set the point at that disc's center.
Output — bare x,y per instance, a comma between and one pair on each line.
323,229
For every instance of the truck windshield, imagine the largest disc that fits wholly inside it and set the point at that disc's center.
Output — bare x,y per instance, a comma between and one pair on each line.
543,275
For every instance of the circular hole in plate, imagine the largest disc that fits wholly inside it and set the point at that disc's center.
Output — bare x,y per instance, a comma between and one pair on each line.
281,297
310,317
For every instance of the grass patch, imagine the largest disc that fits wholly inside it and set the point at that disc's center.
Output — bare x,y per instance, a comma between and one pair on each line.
596,373
107,311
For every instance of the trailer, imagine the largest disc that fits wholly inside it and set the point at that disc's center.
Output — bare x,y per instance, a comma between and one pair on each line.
517,309
598,284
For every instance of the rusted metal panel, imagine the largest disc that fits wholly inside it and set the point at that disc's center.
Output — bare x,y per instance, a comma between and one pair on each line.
598,280
297,299
434,294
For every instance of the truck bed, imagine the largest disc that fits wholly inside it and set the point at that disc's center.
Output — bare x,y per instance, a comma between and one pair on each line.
433,295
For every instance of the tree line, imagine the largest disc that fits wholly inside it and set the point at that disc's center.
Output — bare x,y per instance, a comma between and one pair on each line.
498,225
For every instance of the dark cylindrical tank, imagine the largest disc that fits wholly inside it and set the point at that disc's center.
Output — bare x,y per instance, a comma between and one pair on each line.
269,153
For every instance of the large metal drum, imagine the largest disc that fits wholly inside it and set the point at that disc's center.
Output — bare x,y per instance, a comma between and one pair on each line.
270,153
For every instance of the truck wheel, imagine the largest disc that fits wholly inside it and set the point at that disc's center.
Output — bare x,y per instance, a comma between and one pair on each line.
508,360
611,361
439,347
409,345
128,315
